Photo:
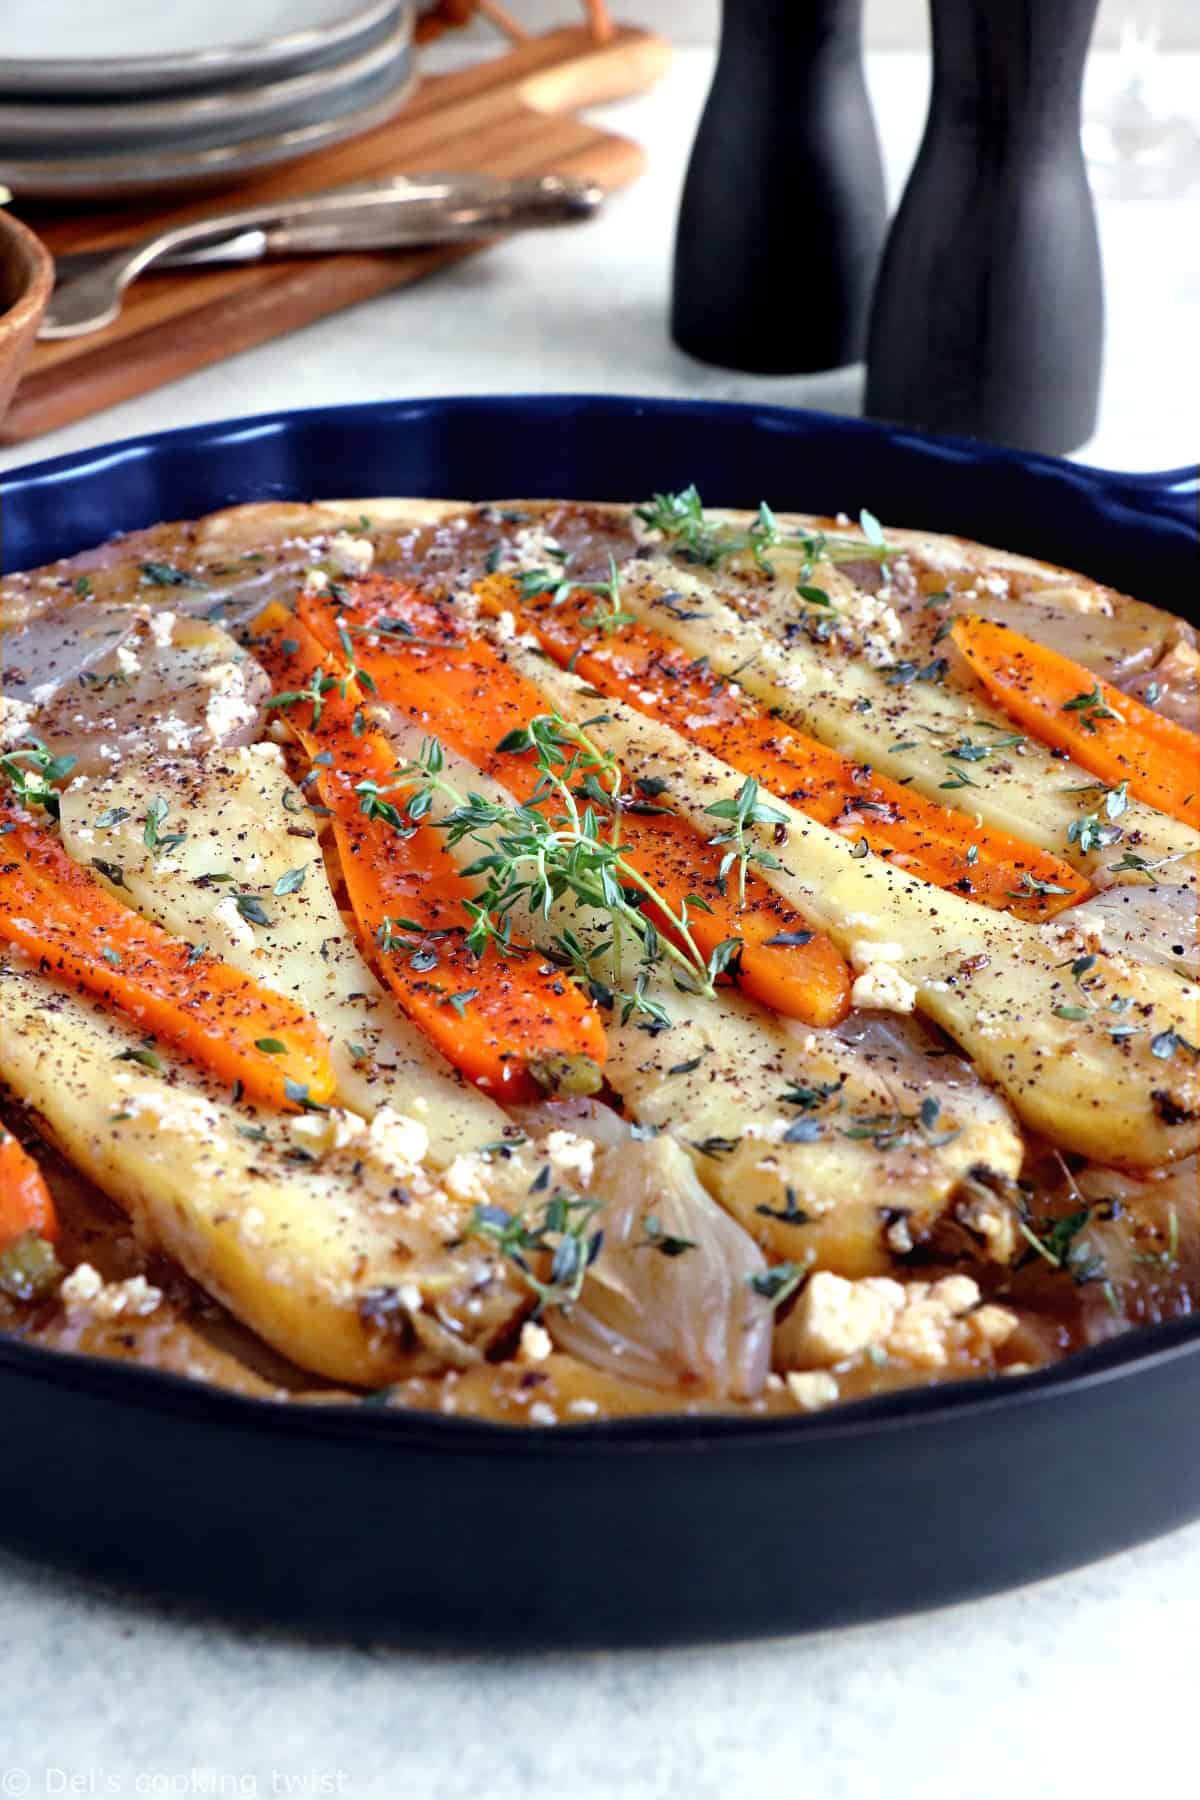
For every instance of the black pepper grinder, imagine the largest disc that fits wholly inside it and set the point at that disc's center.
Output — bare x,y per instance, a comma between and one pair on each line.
989,313
784,208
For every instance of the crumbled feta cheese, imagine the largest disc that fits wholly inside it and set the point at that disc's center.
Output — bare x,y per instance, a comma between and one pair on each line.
118,1299
128,661
175,733
922,1324
990,1219
883,989
399,1143
958,1292
504,628
162,628
237,930
316,581
267,752
571,1157
542,1414
879,985
353,555
81,1286
333,1130
535,1345
836,1318
14,720
866,953
533,544
85,1290
992,1325
867,625
812,1389
466,1179
43,693
189,1114
230,709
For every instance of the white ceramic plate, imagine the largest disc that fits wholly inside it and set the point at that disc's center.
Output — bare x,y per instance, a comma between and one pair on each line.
130,175
65,129
59,47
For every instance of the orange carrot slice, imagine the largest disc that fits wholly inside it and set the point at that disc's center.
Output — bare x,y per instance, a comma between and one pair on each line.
60,914
456,687
1107,732
652,674
25,1203
501,1022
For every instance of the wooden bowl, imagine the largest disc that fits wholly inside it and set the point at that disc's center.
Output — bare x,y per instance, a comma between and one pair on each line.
26,280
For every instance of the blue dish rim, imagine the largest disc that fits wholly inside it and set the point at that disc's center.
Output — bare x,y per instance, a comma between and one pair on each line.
1175,491
1171,496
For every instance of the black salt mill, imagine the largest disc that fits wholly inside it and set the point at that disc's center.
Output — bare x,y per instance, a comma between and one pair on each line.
783,209
989,312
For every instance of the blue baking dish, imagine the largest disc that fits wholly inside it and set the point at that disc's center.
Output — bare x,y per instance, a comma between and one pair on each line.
358,1519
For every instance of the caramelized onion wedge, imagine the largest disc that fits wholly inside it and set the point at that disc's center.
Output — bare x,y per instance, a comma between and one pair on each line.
669,1300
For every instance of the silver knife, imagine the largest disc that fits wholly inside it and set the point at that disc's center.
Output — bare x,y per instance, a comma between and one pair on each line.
397,214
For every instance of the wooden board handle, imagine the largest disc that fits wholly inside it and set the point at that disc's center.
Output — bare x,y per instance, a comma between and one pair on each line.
584,72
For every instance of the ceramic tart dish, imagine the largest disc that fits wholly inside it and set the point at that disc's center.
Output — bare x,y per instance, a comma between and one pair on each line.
621,1004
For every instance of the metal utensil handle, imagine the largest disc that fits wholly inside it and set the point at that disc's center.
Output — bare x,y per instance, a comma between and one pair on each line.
444,219
412,212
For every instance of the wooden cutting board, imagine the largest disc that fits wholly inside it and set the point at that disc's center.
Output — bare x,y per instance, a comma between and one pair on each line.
510,116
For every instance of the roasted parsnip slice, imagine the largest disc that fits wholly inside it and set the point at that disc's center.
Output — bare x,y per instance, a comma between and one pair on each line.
321,1234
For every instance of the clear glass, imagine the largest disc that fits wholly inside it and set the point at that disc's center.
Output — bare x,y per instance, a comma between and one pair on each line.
1138,145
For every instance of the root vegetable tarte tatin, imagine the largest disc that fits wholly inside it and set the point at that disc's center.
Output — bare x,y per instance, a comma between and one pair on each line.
550,962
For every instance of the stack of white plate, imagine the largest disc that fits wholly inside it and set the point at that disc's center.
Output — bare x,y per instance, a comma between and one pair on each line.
103,99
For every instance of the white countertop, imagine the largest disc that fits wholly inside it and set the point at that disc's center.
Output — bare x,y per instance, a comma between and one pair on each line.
1083,1685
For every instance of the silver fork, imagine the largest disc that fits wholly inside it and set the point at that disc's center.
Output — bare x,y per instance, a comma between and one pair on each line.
391,215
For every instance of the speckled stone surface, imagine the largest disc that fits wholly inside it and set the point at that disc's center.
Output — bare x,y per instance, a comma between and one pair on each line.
1084,1686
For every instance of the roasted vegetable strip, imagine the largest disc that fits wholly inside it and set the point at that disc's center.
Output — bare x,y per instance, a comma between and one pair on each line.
425,664
646,669
61,914
1106,731
25,1203
500,1021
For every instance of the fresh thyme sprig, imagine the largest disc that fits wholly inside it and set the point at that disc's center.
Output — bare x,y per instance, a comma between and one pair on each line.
565,841
681,520
560,586
743,810
561,1230
153,836
319,685
1090,707
32,771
